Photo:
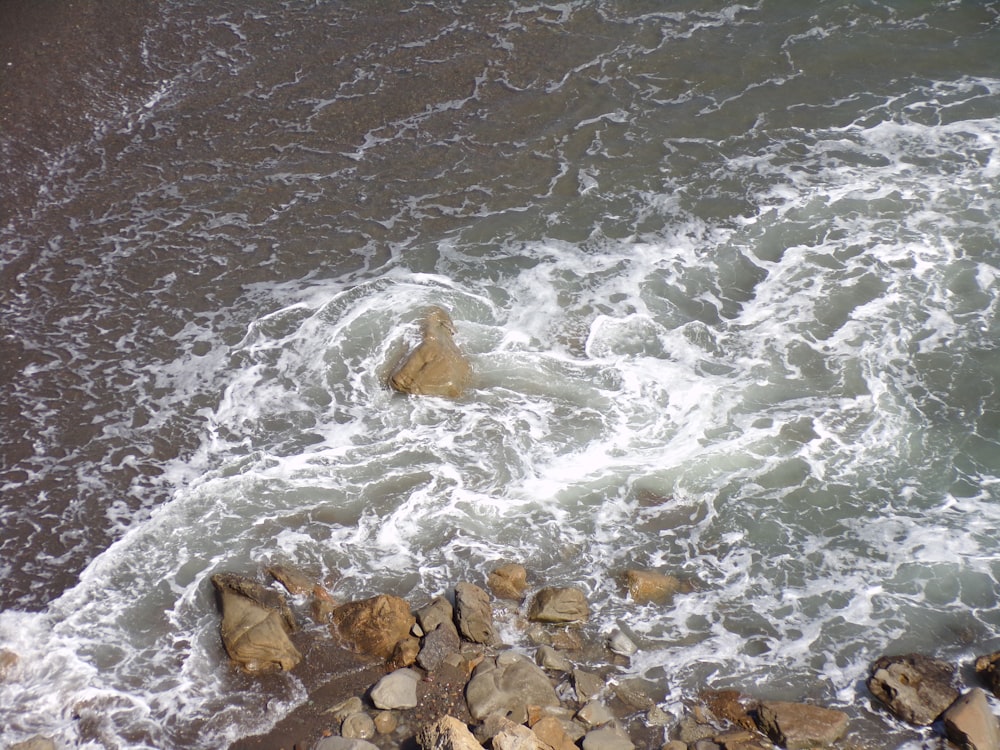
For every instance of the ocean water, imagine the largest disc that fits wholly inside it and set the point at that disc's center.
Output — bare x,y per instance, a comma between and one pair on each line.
728,276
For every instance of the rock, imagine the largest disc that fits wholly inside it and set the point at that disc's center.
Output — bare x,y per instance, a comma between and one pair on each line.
559,605
650,586
507,685
551,731
447,733
343,743
8,664
607,738
509,581
730,706
915,688
345,708
516,737
435,613
474,614
438,645
404,653
799,725
386,722
586,684
396,690
35,743
437,366
255,625
548,658
741,739
374,626
621,644
594,714
970,724
358,726
988,669
295,581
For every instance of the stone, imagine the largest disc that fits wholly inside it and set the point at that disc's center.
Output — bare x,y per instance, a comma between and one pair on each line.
359,726
797,726
438,645
396,690
345,708
35,743
508,685
374,626
551,731
256,623
988,669
474,614
8,664
516,737
386,722
294,580
508,581
741,739
914,687
621,644
343,743
649,586
970,724
559,605
431,615
447,733
404,653
594,714
436,367
607,738
586,684
549,658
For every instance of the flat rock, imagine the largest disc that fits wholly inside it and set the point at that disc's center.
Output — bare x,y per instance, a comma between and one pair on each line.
551,731
508,581
374,626
436,367
474,614
343,743
447,733
559,605
595,714
797,726
914,687
396,690
607,738
508,685
255,625
970,724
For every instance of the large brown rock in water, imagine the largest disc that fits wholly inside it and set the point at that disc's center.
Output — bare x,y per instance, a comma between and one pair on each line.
256,622
798,726
374,626
914,687
437,366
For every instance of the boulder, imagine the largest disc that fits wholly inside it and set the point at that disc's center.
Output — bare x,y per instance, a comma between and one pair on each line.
404,653
516,737
914,687
797,726
970,724
396,690
437,645
586,684
374,626
474,614
988,669
431,615
294,580
549,658
621,644
594,714
508,581
255,625
508,685
650,586
551,731
607,738
447,733
559,605
436,367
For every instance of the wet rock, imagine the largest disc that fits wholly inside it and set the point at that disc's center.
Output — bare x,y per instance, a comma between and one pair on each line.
343,743
396,690
435,613
594,714
358,726
559,605
255,625
436,367
586,684
607,738
294,580
342,710
438,645
474,614
551,731
730,706
741,739
797,726
508,581
404,653
970,724
447,733
549,658
914,687
507,685
621,644
386,722
8,664
35,743
650,586
988,669
374,626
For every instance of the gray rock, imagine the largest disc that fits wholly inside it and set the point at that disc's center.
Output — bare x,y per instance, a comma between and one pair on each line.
915,688
970,724
474,614
517,737
594,714
437,645
396,690
343,743
507,685
548,658
607,738
358,726
586,684
798,726
621,644
433,614
559,605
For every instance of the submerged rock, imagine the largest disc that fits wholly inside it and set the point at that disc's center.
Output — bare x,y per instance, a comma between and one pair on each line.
559,605
374,626
914,687
798,726
970,724
650,586
437,366
255,625
508,581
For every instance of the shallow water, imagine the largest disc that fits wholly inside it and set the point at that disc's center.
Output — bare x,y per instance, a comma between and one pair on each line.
727,275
